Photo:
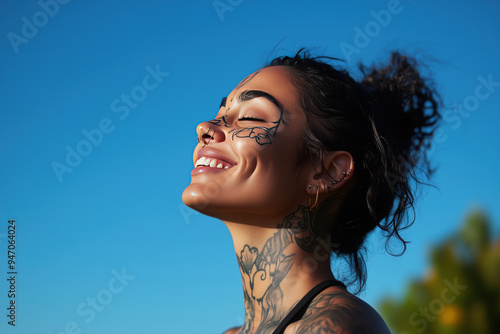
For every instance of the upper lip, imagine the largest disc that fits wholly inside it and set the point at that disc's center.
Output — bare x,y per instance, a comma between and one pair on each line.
212,154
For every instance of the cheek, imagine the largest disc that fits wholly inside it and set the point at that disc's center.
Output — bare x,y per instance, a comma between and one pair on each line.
267,163
249,154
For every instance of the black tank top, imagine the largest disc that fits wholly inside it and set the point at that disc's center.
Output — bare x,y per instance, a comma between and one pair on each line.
298,311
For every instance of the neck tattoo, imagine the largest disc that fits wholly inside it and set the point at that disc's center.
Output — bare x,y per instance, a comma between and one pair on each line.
263,271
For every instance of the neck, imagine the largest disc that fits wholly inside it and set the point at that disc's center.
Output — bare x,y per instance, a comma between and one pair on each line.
278,266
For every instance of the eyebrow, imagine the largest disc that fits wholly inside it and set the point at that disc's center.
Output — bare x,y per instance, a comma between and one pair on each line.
253,94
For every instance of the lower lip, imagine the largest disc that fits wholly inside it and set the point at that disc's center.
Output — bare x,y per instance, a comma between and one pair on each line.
202,170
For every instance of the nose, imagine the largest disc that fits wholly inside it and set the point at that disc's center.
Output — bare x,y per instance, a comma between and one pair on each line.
208,132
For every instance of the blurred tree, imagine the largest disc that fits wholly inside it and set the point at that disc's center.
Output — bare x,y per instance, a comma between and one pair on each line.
461,293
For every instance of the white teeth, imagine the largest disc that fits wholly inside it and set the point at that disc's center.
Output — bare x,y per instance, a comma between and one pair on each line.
200,162
209,162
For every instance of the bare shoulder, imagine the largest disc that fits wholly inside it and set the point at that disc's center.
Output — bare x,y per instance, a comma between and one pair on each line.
233,330
336,311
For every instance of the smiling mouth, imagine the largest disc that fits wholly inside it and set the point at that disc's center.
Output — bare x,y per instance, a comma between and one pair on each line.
213,163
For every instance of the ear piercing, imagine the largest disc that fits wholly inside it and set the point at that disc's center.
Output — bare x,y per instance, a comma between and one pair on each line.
344,177
316,200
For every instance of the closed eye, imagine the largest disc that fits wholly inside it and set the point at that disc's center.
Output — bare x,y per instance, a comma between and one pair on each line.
246,118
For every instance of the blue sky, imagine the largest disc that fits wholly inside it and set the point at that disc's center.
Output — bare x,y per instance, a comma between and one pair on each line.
104,243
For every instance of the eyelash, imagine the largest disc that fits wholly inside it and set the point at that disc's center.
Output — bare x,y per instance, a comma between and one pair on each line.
251,119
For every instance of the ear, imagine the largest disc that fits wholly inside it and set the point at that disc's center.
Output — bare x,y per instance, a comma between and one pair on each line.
332,172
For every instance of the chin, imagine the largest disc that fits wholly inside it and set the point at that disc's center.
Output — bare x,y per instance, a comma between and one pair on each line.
194,199
205,205
199,201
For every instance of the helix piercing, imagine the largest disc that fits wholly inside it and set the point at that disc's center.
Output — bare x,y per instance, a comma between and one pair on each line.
344,177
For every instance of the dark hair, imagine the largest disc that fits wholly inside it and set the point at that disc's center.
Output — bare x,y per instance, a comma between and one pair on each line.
385,121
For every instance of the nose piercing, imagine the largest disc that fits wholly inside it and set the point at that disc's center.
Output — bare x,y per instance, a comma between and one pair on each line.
201,140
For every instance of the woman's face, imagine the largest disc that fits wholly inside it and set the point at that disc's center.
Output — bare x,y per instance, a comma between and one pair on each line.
249,162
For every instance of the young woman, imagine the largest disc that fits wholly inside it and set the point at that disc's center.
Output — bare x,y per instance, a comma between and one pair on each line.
300,163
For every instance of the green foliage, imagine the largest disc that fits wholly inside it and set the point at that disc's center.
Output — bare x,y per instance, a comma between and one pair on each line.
461,292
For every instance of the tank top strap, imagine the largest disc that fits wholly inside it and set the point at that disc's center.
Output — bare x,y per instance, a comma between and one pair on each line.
298,311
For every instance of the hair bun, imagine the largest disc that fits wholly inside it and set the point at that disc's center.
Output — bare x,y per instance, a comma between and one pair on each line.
406,105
